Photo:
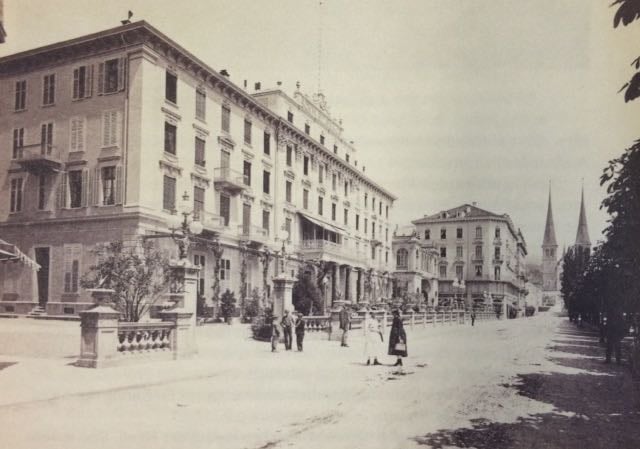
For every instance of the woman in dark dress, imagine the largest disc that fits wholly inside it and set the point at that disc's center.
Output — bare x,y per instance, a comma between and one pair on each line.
397,338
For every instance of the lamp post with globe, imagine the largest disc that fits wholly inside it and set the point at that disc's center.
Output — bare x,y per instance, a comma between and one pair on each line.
459,288
182,228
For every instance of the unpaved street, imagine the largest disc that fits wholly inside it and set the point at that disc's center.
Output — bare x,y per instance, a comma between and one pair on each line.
498,384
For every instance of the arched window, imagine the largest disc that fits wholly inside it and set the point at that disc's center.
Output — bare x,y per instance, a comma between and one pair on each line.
402,259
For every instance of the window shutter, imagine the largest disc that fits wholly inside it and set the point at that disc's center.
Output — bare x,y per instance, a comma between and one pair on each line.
85,184
106,126
119,185
115,125
76,83
74,132
88,81
95,188
90,182
101,78
80,134
61,200
122,73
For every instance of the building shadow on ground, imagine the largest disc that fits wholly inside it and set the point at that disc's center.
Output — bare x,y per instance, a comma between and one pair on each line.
4,365
594,408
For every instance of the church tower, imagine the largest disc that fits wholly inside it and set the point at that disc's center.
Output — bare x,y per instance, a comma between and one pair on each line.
549,253
583,243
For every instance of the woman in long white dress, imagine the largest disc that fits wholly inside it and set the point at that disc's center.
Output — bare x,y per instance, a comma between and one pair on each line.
373,338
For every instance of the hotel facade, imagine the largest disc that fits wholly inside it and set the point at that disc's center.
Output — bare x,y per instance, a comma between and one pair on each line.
104,136
481,248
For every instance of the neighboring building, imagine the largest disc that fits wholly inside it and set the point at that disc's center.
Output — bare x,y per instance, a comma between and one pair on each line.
104,134
550,263
416,263
583,242
484,249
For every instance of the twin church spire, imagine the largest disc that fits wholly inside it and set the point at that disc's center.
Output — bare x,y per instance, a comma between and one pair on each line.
582,234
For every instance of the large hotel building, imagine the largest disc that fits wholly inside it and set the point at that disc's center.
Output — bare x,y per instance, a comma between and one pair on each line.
104,134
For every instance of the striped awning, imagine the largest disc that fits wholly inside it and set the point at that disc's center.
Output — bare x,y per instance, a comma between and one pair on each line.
11,253
323,224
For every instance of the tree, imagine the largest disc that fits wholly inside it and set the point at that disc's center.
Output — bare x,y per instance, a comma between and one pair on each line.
306,295
629,11
137,274
228,305
253,305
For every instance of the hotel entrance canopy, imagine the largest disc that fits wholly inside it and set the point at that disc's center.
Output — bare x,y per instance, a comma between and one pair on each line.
11,253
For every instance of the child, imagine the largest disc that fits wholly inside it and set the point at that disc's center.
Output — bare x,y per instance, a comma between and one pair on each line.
275,334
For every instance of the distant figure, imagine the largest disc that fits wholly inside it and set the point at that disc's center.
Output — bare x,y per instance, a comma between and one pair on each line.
397,338
300,324
615,331
287,328
345,324
373,338
275,335
473,317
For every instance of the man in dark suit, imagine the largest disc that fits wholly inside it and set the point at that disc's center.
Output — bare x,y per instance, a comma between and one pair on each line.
345,324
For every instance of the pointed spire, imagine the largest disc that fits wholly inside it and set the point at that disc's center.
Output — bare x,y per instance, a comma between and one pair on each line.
549,230
582,236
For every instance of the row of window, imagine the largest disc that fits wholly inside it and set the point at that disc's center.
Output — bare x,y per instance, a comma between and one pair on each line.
112,75
459,233
497,253
110,135
76,188
477,272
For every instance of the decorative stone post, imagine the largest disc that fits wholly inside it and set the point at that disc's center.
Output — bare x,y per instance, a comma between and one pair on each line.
185,276
99,332
282,295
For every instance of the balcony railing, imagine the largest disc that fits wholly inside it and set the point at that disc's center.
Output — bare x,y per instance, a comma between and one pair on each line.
498,259
253,234
39,158
316,248
228,179
210,222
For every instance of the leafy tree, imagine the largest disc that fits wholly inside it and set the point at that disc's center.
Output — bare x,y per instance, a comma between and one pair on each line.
252,306
629,11
574,266
306,294
228,304
137,274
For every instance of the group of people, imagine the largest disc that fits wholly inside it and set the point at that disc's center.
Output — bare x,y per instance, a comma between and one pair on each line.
291,323
374,336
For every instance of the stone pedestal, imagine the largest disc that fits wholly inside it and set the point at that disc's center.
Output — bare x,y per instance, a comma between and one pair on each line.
282,295
183,338
186,275
99,337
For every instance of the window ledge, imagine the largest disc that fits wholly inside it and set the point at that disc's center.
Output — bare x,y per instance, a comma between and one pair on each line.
48,105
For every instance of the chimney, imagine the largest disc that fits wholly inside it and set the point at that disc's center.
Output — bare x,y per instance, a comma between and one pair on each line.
474,204
245,84
256,86
363,168
279,83
356,162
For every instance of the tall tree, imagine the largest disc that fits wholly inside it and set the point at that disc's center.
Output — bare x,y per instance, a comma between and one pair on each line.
137,274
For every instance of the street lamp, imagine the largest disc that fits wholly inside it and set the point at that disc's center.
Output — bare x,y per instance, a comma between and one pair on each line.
181,228
283,235
458,287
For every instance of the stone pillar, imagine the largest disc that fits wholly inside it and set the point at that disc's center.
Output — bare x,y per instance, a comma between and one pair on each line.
183,338
184,312
347,284
282,295
338,295
99,332
359,286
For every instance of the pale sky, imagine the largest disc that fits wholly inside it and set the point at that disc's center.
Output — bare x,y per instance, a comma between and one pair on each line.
448,102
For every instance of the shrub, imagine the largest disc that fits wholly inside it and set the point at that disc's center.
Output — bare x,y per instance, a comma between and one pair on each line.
228,304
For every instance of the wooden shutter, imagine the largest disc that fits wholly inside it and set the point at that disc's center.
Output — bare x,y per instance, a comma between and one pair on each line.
101,78
80,134
119,186
88,81
61,200
122,73
84,197
90,190
73,125
115,128
76,83
106,119
95,188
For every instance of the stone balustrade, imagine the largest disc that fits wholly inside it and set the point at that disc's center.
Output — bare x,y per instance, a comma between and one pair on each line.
144,337
320,323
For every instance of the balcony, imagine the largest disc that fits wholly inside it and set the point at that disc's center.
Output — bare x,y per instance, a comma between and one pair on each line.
498,260
477,258
326,250
39,158
211,222
253,235
227,179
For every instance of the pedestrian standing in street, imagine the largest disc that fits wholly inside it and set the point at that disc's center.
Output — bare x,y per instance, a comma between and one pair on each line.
345,324
287,329
397,338
616,330
275,335
300,331
473,317
373,338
